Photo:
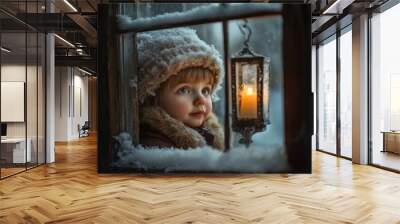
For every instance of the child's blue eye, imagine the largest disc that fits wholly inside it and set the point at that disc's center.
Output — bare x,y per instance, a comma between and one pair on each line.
184,90
205,91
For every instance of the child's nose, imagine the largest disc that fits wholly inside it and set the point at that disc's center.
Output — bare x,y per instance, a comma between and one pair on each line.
199,100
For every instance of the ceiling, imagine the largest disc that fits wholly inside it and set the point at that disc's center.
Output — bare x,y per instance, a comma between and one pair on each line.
76,22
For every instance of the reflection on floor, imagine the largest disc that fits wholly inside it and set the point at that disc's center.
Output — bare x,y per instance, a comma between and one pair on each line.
346,152
386,159
10,169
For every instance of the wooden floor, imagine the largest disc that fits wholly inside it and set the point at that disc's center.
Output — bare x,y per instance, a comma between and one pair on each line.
71,191
5,172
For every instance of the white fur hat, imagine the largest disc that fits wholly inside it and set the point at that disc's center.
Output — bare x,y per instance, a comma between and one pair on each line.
163,53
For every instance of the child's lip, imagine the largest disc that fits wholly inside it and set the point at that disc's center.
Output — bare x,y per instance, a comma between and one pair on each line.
197,113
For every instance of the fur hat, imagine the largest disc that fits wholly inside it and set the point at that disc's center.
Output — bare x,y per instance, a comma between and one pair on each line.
164,53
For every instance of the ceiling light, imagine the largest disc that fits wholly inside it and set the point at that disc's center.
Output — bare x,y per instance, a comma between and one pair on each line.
5,50
331,7
70,5
337,7
84,71
64,40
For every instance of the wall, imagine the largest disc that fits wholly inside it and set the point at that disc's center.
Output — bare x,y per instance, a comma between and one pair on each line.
71,102
92,87
11,73
61,103
33,126
17,72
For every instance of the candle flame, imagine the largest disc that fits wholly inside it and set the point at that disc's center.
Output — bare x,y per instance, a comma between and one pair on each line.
248,102
249,91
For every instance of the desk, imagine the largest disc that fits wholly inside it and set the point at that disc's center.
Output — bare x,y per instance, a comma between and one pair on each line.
13,150
391,141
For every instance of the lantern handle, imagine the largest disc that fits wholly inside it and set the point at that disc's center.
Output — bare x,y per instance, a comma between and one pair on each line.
249,32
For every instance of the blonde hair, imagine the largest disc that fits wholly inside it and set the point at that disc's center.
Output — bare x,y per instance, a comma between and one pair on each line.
190,75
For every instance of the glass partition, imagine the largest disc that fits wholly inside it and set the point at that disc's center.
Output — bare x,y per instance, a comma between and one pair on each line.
41,91
327,96
13,110
22,92
31,99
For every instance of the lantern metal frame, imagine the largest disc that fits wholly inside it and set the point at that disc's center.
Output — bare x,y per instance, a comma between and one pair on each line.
248,126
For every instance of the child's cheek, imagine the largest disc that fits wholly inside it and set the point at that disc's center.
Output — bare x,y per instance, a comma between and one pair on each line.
182,107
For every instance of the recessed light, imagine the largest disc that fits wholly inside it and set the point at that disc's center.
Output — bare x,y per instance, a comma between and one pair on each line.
70,5
65,41
5,49
84,71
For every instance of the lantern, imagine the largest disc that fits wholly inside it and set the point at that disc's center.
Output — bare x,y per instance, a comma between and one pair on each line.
248,86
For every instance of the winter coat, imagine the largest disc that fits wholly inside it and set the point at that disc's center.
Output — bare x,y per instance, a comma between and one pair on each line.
158,128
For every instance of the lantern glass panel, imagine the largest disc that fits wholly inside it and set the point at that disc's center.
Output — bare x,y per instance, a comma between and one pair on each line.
266,90
246,82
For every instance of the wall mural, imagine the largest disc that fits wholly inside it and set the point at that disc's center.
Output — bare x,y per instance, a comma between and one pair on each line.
194,87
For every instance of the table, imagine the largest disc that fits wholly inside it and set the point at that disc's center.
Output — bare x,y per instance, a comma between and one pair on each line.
13,150
391,141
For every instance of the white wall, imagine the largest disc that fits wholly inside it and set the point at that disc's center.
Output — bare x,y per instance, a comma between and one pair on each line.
33,126
11,73
16,73
71,102
61,103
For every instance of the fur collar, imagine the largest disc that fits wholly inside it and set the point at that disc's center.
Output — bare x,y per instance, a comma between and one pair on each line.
179,133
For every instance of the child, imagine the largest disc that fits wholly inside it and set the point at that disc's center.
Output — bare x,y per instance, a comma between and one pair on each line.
179,73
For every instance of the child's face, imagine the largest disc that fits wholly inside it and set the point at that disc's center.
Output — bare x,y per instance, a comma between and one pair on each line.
189,102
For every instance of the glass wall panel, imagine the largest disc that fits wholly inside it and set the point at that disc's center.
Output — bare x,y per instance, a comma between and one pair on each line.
327,96
385,89
41,97
41,87
31,99
22,90
346,94
14,152
31,86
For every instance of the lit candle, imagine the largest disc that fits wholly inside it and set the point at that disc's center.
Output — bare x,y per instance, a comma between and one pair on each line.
248,102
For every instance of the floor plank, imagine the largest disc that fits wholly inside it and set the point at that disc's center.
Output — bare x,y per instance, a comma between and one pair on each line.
71,191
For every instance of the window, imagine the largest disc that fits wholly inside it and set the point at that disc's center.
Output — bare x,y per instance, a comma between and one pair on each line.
327,96
385,88
346,93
